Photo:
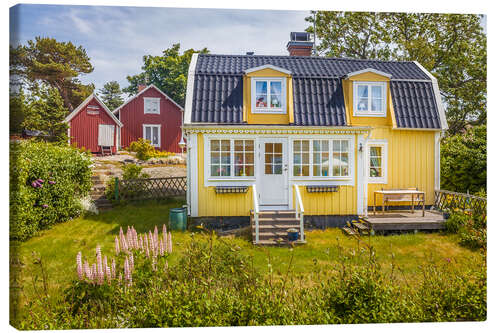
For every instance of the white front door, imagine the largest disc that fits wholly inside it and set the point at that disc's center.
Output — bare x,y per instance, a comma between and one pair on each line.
273,177
106,135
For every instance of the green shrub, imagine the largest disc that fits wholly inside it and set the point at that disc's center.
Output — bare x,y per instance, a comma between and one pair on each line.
46,183
144,150
133,171
456,221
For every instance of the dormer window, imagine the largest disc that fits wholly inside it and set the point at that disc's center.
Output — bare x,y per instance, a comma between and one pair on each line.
268,95
370,99
151,105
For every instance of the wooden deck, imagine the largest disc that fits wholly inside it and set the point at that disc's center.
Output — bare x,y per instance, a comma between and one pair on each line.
396,220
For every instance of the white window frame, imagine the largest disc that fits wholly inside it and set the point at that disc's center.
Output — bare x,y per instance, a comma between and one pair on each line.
351,153
377,143
269,110
159,133
243,180
369,112
151,99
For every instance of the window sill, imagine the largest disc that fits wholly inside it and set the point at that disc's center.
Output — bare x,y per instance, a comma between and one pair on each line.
319,179
377,180
368,114
268,111
151,112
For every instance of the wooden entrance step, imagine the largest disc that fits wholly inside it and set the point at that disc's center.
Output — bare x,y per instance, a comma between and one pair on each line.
361,227
274,225
349,231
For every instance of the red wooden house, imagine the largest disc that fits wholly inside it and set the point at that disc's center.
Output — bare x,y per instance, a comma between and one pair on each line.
93,126
152,115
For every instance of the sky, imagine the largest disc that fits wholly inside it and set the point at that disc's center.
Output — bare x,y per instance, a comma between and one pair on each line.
116,38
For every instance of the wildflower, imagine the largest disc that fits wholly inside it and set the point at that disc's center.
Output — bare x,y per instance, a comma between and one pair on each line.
79,268
51,182
169,250
94,273
108,274
127,272
162,249
40,180
45,206
113,268
87,271
117,246
131,261
141,245
34,184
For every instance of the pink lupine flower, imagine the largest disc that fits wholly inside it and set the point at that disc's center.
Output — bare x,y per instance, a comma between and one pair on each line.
162,250
108,274
86,269
94,273
113,268
164,234
169,250
141,246
127,272
117,246
155,234
151,244
131,262
104,263
34,184
45,205
51,182
40,180
79,268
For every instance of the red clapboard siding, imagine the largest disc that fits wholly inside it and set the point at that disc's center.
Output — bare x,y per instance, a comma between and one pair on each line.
170,118
84,127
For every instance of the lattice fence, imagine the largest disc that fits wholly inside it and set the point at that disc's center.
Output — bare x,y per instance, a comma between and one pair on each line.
151,188
449,201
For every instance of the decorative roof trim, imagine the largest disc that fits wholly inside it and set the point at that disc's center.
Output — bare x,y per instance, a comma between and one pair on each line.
85,102
269,66
369,70
142,91
275,130
437,95
190,88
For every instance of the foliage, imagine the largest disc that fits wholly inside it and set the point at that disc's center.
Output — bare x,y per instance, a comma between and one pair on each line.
168,72
470,228
17,110
450,46
463,161
45,111
111,95
145,150
215,284
57,64
133,171
46,183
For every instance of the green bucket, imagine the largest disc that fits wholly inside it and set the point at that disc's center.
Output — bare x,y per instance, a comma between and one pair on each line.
178,219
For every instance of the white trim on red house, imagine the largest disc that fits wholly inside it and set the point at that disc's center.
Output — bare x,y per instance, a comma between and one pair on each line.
369,70
159,133
279,69
439,102
85,102
141,92
189,89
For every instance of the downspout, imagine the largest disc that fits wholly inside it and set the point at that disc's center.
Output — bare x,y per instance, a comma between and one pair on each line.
365,175
188,173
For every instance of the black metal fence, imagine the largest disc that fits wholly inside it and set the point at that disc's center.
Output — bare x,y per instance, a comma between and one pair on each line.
450,201
149,188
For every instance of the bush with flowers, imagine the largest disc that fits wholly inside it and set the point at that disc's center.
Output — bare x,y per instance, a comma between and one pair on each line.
47,182
144,150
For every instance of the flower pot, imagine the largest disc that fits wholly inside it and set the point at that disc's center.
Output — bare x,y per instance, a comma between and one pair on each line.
293,235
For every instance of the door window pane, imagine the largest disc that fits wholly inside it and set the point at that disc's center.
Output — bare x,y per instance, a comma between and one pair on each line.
273,158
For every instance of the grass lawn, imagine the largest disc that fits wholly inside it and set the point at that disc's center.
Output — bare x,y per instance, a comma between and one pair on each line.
57,249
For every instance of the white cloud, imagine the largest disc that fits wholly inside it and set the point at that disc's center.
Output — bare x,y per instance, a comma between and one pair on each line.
116,38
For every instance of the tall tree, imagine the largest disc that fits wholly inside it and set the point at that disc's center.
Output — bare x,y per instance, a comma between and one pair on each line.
45,112
111,95
168,72
58,64
451,46
17,111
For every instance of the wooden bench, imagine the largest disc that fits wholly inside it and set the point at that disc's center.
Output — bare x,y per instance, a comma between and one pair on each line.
411,195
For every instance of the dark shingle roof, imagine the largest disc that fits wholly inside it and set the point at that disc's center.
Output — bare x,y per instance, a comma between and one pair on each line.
317,86
414,104
305,66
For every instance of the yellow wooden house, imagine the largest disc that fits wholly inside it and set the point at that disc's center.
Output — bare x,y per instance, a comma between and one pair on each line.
306,138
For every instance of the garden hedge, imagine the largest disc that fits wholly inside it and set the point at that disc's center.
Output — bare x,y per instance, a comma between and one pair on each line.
46,183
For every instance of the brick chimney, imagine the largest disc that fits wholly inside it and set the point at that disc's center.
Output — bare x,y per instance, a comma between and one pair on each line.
300,44
140,87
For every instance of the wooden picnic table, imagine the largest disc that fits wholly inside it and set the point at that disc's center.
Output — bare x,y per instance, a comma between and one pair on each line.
400,193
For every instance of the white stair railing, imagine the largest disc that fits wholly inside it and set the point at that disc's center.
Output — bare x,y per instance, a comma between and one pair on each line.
255,212
299,210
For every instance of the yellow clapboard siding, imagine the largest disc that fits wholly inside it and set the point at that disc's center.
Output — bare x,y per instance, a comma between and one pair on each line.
410,162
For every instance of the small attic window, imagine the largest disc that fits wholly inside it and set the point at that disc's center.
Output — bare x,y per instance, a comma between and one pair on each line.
268,95
370,99
151,105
